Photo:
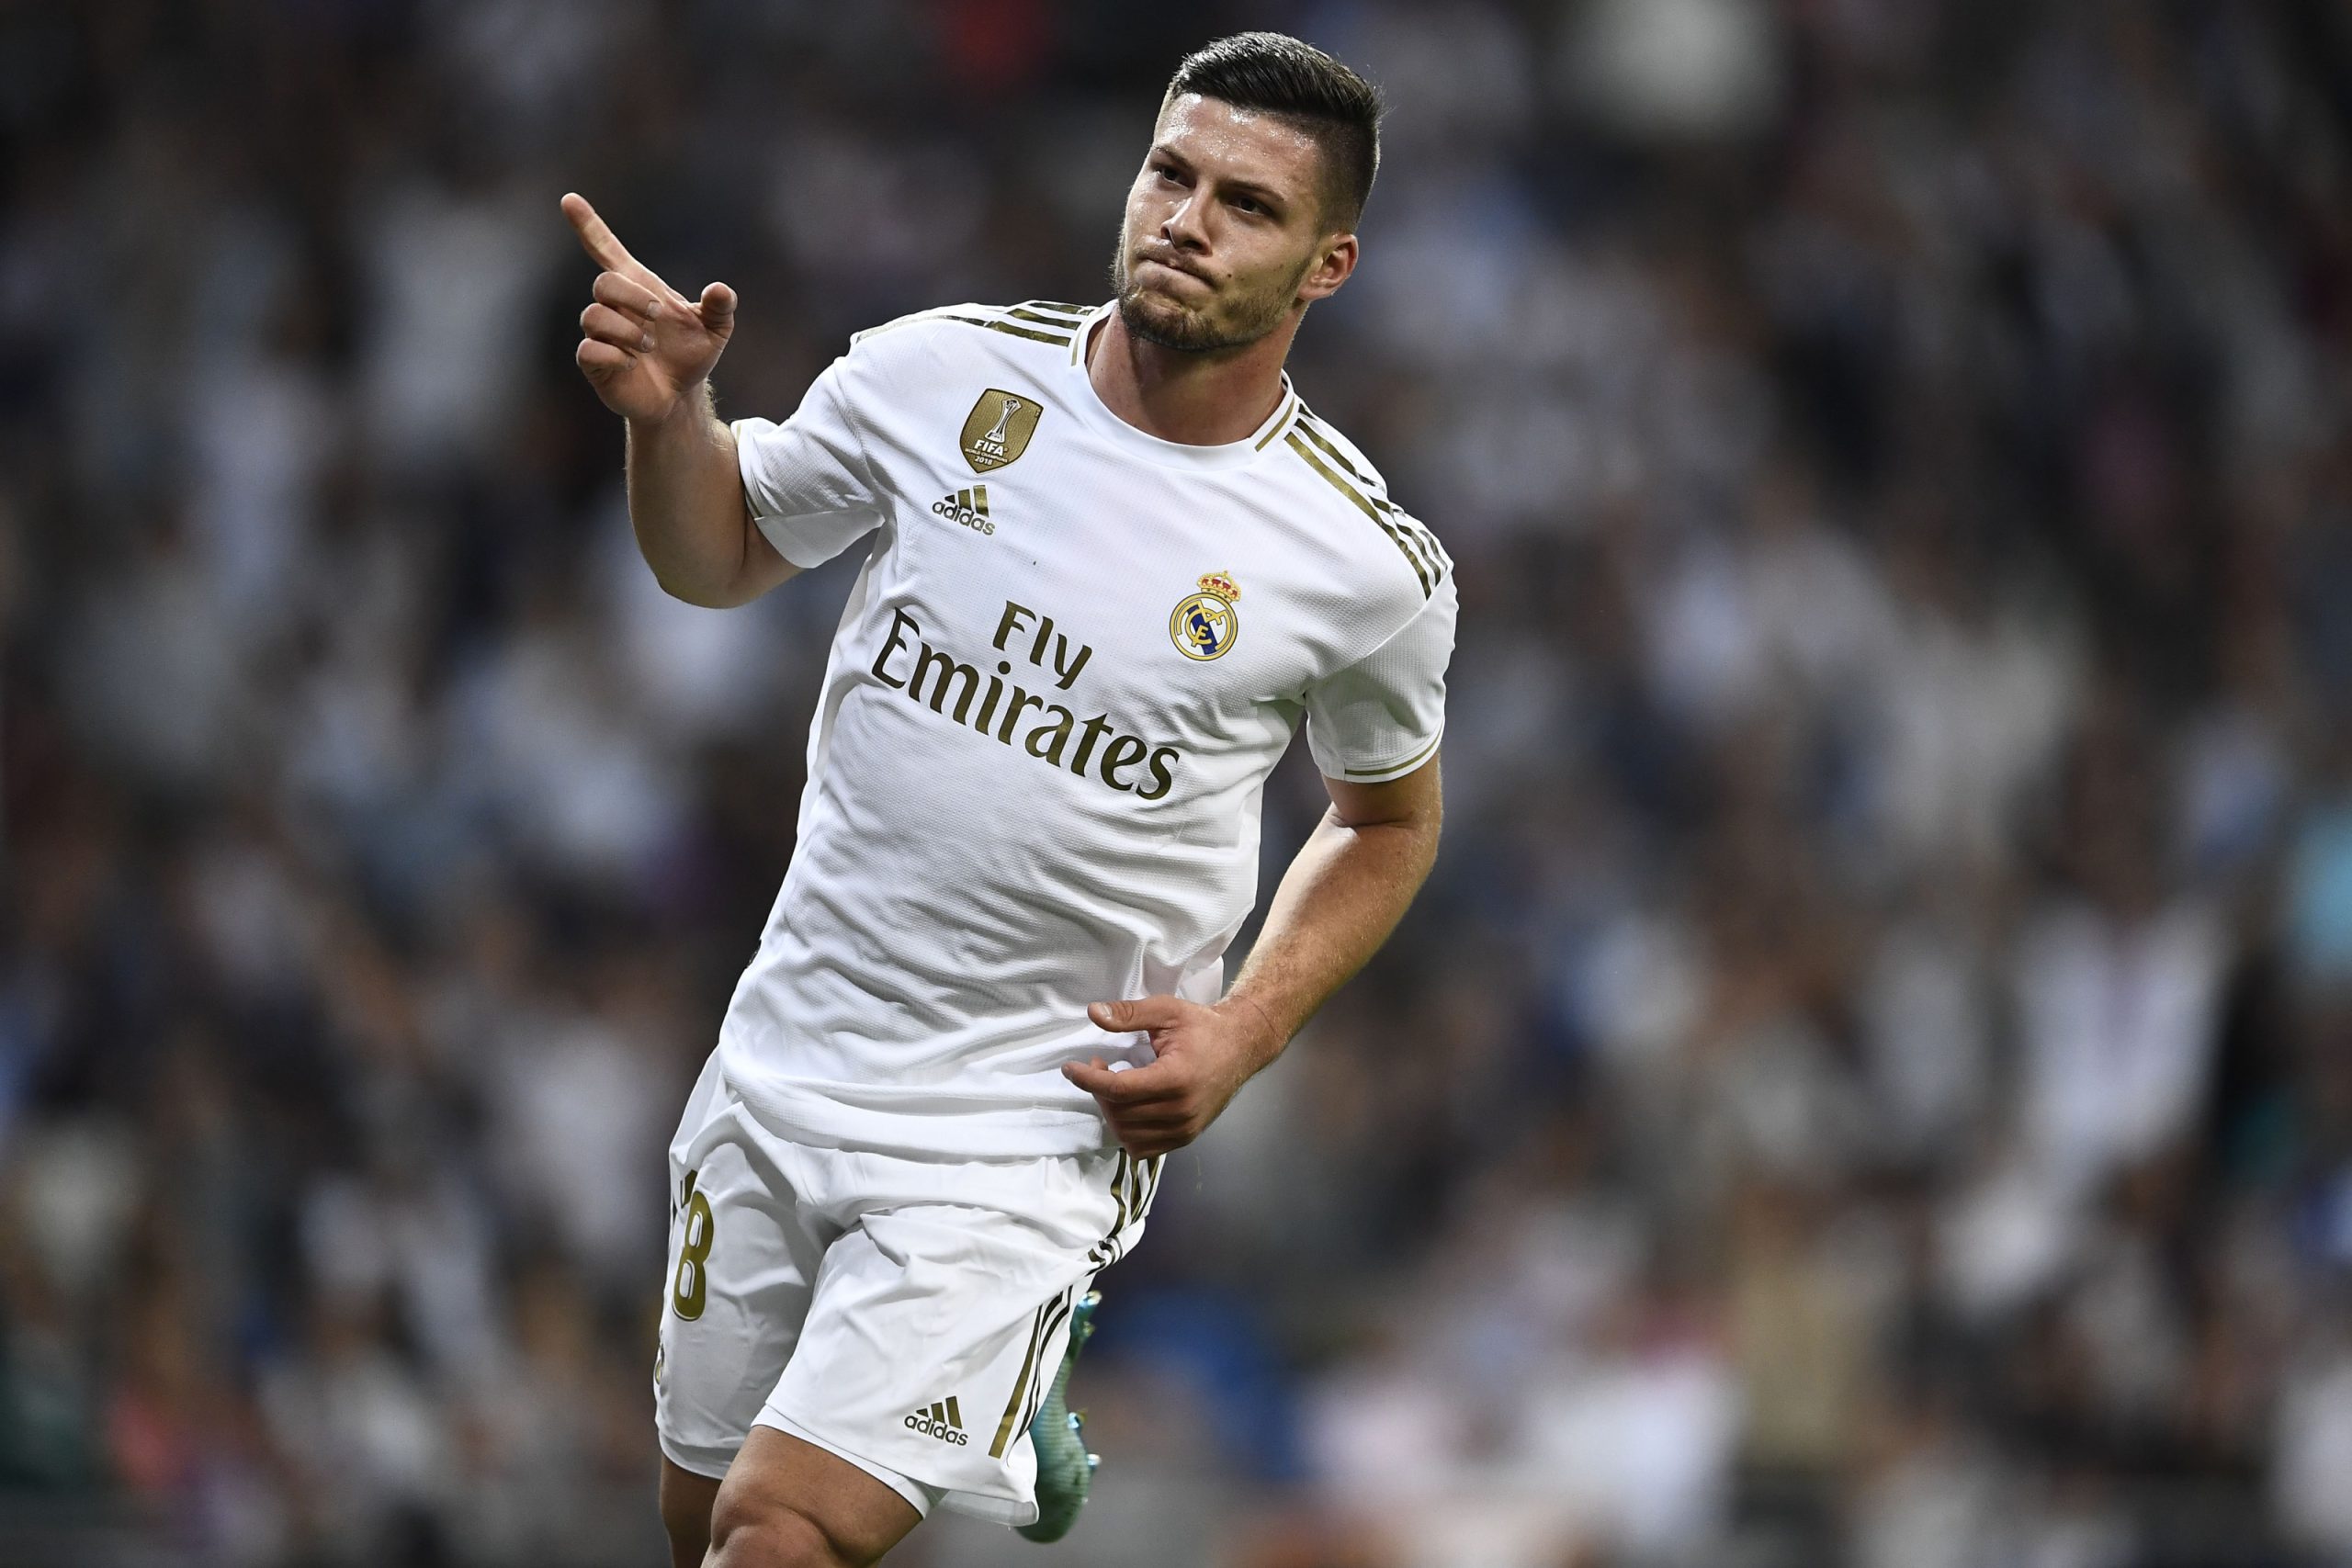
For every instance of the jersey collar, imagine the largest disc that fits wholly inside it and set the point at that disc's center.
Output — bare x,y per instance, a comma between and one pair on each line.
1097,415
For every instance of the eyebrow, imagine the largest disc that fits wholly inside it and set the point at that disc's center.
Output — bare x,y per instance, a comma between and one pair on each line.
1266,195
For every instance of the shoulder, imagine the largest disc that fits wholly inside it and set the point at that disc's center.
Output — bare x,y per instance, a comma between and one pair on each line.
903,367
1332,469
1036,326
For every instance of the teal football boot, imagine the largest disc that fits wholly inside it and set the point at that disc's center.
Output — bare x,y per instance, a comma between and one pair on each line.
1065,1469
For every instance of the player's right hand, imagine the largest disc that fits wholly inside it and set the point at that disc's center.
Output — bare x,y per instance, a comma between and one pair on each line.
644,346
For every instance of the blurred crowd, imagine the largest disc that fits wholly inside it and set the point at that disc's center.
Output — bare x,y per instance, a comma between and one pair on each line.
1868,1086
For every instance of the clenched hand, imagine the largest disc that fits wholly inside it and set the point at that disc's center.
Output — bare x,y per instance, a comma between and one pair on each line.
1204,1055
645,345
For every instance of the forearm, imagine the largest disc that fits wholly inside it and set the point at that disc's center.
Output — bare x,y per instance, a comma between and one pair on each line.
686,503
1343,894
1339,899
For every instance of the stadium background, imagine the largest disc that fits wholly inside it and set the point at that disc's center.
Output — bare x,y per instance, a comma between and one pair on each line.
1868,1083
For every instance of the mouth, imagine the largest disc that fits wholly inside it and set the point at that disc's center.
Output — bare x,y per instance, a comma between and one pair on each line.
1167,265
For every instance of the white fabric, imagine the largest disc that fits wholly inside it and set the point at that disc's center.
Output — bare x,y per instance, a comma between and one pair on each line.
841,1296
1023,796
2118,1026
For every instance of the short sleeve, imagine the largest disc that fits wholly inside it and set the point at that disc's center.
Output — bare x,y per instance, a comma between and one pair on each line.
1380,718
807,483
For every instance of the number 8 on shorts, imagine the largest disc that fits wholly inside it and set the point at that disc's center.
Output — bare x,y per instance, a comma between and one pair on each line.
692,1287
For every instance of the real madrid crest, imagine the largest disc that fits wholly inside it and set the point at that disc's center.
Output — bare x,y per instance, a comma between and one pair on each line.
1206,623
997,429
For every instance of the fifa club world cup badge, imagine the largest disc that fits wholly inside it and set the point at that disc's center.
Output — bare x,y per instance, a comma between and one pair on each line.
997,429
1206,623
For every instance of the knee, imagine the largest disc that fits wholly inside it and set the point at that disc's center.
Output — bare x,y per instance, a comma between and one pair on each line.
748,1534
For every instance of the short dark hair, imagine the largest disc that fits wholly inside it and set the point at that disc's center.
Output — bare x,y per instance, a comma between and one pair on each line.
1294,81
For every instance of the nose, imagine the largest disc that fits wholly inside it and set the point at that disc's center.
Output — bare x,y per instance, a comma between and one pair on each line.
1182,227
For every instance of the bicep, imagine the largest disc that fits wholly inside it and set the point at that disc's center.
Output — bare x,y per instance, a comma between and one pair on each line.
764,565
1418,799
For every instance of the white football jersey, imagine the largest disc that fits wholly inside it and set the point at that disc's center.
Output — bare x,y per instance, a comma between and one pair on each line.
1074,654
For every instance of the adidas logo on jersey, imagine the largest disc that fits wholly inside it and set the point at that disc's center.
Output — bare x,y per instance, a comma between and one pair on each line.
943,1421
970,507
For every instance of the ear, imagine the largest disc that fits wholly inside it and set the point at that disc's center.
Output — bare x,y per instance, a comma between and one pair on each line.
1336,265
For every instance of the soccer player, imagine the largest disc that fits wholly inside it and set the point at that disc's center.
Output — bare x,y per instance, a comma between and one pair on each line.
1112,559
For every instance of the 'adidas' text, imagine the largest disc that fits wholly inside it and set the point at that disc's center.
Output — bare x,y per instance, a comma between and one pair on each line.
970,507
943,1421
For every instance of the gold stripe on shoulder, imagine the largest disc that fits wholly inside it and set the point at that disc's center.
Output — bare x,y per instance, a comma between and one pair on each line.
1306,423
1421,534
1057,339
1023,313
896,322
1427,537
1421,537
1412,527
1412,761
1280,420
1364,506
1440,563
1060,315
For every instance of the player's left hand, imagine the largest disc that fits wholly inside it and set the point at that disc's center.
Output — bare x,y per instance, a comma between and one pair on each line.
1205,1055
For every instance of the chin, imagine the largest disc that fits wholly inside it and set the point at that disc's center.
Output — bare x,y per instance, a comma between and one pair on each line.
1158,318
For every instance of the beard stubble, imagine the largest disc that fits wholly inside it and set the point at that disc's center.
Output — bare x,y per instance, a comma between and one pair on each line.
1249,316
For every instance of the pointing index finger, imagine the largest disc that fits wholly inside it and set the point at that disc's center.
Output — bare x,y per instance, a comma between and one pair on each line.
603,247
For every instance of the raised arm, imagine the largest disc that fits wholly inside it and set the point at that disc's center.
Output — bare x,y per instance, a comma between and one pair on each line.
648,351
1346,889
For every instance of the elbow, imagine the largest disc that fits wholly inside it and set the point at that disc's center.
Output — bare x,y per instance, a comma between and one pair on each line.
1429,830
686,590
702,592
1419,833
711,560
1413,835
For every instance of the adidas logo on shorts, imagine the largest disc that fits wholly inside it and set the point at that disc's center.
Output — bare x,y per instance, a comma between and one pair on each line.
943,1421
970,507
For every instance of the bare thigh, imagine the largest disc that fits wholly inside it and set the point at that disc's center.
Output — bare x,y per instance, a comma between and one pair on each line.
686,1500
784,1501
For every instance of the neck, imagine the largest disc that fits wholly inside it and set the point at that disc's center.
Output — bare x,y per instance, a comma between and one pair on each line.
1199,400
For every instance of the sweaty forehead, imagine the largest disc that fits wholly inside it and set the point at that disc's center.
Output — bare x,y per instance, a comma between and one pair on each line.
1243,144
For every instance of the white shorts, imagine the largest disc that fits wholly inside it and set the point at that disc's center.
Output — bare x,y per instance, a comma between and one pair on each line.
905,1314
